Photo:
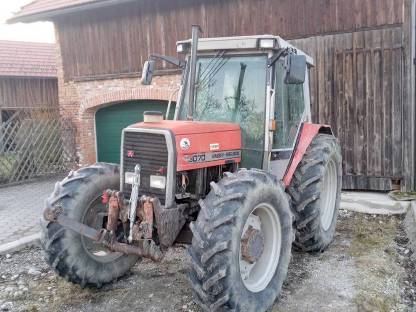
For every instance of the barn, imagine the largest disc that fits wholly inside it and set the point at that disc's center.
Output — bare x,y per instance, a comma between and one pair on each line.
363,82
34,140
28,78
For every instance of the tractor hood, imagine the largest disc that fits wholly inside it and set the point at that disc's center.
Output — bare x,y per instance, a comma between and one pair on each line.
200,144
188,127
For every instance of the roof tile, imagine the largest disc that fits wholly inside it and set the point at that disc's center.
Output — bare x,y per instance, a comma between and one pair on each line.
42,6
27,59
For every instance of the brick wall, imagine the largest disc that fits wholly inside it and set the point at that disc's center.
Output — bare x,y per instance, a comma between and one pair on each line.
79,101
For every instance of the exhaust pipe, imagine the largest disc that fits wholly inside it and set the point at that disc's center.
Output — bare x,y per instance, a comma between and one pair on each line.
192,75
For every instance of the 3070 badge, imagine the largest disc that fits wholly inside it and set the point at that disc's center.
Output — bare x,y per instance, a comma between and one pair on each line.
206,157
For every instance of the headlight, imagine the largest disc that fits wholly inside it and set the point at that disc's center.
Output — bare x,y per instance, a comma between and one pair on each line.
129,178
158,182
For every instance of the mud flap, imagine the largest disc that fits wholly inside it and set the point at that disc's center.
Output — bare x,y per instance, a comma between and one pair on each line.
170,222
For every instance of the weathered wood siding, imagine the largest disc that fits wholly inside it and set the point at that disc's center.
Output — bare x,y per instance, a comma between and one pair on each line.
361,84
119,39
357,86
28,93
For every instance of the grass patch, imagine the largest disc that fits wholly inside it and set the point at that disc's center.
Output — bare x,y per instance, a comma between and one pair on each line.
65,295
31,308
397,195
369,302
7,164
372,234
373,249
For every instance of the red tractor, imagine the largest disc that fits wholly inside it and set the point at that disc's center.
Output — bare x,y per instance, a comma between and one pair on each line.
243,103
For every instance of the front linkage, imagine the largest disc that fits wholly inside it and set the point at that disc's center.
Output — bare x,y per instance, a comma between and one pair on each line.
142,243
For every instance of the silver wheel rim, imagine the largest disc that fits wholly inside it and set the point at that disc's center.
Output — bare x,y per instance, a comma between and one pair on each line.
96,250
328,194
257,276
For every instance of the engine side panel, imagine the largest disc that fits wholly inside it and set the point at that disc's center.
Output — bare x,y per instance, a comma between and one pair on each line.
307,134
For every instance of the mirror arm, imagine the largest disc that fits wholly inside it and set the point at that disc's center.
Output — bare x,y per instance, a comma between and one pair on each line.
169,59
279,55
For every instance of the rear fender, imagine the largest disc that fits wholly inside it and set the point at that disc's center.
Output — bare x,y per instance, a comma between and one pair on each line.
308,132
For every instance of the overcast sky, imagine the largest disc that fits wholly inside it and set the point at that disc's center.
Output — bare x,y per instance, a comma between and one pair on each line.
38,32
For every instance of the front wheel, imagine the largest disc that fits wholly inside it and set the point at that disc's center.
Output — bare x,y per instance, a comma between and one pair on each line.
73,256
242,243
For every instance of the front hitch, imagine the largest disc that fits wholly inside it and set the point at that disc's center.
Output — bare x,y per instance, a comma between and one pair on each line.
107,236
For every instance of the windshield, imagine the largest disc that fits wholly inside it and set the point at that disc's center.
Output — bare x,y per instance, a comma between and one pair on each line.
233,89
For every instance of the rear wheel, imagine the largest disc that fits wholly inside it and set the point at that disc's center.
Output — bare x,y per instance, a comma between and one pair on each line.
242,243
73,256
316,192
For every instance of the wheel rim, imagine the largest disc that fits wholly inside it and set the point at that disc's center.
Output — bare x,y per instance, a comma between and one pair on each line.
256,276
94,217
328,194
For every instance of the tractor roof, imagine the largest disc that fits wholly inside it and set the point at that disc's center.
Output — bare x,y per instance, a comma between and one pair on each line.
244,43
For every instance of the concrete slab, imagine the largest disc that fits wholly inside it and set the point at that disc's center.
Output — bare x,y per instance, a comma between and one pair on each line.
410,228
373,203
26,241
413,210
21,207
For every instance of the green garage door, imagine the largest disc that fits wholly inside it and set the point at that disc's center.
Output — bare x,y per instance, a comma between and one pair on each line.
111,120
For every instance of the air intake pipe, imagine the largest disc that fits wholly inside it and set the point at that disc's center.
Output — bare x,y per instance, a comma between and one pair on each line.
152,116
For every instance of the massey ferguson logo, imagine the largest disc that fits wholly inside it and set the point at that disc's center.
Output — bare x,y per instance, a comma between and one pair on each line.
130,154
185,144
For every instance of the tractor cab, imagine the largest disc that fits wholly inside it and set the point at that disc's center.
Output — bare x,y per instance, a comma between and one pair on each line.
258,82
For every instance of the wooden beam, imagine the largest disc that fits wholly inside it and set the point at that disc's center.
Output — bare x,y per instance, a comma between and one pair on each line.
409,112
350,182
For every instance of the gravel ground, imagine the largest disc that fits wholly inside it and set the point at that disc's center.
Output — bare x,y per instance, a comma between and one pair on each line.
368,268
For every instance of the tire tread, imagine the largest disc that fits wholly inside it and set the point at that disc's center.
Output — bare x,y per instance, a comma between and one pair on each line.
210,264
304,191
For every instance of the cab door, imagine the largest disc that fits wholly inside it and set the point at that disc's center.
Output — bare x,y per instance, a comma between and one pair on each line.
289,114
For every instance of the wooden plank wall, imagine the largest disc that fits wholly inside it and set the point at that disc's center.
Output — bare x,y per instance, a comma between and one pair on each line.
357,87
119,39
359,83
28,93
409,109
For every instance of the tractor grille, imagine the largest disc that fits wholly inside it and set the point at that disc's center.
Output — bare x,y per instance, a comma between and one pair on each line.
150,151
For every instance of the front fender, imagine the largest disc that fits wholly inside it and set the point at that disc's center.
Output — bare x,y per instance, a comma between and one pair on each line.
307,133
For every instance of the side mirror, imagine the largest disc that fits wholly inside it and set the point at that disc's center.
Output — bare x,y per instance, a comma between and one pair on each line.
296,71
147,73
